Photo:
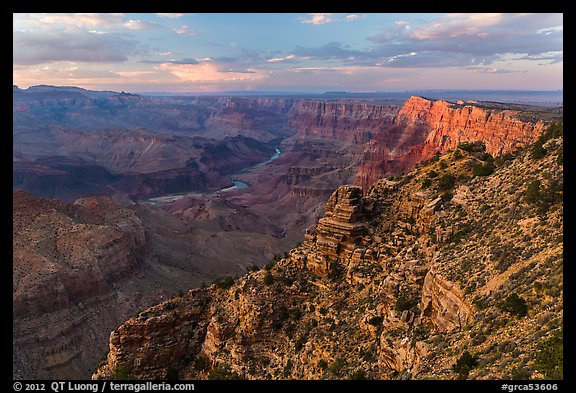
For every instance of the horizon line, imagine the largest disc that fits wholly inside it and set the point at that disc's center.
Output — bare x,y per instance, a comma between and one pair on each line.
294,92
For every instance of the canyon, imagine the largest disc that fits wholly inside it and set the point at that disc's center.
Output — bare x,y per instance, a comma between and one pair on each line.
90,250
108,143
396,284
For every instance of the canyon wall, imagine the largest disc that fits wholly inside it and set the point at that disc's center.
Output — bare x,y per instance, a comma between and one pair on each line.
343,121
429,126
80,269
389,285
448,125
394,139
137,135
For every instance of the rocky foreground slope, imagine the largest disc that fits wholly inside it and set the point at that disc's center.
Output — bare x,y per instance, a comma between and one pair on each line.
453,270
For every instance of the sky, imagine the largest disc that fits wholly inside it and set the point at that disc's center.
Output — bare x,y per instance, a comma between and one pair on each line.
315,52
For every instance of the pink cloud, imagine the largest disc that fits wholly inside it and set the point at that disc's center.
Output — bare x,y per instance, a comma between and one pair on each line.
208,72
317,19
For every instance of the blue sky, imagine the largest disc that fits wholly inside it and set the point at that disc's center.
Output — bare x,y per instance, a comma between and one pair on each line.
289,52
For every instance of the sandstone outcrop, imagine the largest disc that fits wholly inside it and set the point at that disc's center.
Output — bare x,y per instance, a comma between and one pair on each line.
444,305
172,331
501,131
335,235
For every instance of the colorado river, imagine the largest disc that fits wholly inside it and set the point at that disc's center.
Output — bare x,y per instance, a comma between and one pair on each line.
238,185
274,156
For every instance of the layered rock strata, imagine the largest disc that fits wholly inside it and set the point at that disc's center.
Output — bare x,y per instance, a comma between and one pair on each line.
384,138
344,121
67,261
430,126
393,285
443,304
335,234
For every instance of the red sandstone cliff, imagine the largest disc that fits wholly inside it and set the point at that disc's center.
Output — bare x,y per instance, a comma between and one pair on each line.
449,125
429,126
395,139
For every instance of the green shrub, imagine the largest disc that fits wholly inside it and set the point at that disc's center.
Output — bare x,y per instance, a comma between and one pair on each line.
337,366
225,282
375,321
537,151
446,182
201,363
337,272
475,146
300,343
368,356
122,373
515,305
465,364
464,230
520,373
297,314
223,371
172,374
484,169
406,300
268,279
447,196
358,375
532,193
549,358
421,332
554,130
269,265
502,159
288,368
543,197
